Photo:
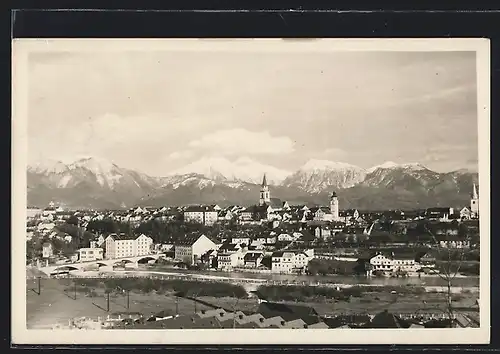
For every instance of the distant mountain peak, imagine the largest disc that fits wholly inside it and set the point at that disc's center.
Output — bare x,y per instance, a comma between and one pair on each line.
318,175
413,166
393,165
95,164
317,164
48,166
242,169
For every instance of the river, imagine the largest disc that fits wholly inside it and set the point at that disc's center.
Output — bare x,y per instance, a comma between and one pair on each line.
429,281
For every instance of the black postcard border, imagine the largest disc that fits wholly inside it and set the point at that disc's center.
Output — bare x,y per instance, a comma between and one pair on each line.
69,19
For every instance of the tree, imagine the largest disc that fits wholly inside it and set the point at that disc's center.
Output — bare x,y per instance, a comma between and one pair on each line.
34,248
449,267
73,220
105,226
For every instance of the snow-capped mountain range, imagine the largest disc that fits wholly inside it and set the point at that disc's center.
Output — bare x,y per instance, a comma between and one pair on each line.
96,182
317,175
242,169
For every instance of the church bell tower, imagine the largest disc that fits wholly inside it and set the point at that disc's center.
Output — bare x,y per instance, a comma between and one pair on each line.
334,206
265,195
474,202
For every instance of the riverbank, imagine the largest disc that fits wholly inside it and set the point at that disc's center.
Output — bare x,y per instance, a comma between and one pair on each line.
424,279
248,282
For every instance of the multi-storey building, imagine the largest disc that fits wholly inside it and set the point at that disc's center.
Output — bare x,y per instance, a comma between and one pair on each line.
229,260
391,264
122,246
90,254
190,249
289,261
143,245
205,215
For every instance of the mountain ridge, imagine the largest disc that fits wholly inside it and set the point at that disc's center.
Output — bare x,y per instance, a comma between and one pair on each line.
99,183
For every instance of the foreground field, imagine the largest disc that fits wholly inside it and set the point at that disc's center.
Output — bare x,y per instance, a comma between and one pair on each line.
57,304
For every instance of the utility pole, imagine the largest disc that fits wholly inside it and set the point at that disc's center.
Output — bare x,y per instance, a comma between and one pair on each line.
107,302
234,310
194,297
39,286
176,305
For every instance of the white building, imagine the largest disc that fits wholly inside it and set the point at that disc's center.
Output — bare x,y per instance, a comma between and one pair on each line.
143,245
240,240
465,213
90,254
205,215
287,262
284,237
122,246
190,249
229,260
389,264
47,250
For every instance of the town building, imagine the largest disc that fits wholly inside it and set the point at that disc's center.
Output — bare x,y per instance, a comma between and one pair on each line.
255,213
143,245
439,213
47,250
121,246
90,254
348,216
241,240
205,215
389,264
228,260
321,214
288,262
465,213
190,249
253,259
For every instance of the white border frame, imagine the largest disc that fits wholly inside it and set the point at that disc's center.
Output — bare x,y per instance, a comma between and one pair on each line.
21,335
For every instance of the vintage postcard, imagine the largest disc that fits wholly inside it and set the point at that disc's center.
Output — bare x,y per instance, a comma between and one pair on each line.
251,191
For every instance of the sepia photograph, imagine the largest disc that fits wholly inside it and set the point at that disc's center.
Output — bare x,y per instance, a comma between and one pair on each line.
334,190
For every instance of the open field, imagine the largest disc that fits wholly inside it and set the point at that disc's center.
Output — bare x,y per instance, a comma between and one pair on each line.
56,303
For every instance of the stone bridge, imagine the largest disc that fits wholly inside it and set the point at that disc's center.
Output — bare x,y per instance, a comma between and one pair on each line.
134,261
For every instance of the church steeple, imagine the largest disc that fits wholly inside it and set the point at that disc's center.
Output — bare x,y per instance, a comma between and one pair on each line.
264,181
474,202
265,195
474,192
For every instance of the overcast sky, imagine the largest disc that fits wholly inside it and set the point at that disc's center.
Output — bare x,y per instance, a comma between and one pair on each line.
157,111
